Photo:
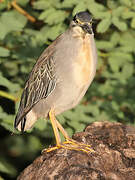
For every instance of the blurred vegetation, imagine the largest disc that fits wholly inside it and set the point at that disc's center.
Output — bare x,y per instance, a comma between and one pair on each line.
22,39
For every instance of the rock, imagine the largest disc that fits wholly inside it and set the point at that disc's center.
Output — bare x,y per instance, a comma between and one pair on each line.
113,159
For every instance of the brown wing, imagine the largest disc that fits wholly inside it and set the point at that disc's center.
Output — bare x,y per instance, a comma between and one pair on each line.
41,83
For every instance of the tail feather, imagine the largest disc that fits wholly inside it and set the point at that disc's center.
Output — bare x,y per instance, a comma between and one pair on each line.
23,122
26,122
20,118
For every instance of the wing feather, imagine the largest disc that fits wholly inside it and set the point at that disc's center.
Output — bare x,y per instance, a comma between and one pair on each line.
41,83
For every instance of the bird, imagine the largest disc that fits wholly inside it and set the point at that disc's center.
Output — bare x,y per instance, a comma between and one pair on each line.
59,80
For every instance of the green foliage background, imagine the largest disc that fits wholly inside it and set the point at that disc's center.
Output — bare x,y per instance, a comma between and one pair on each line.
111,97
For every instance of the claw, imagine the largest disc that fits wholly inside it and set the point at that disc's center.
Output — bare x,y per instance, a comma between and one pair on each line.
71,144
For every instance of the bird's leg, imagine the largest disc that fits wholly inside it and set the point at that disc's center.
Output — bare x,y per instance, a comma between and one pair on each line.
71,143
65,134
56,132
55,129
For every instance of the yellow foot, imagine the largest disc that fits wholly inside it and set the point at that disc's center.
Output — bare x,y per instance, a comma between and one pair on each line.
51,149
72,145
78,146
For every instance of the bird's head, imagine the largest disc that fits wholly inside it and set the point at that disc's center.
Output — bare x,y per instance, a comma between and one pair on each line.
83,20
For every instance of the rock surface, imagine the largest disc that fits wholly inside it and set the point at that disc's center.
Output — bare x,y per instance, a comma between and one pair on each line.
113,159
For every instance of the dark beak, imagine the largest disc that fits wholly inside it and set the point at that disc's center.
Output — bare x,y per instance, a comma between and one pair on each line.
87,28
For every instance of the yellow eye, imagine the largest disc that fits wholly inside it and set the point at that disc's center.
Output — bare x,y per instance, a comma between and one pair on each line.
77,21
90,23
